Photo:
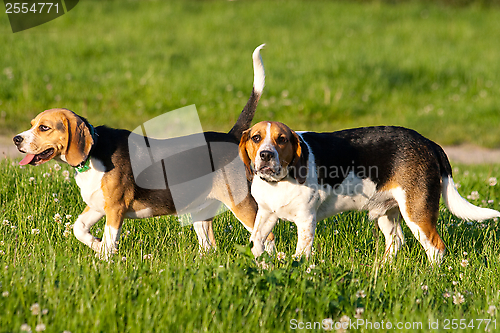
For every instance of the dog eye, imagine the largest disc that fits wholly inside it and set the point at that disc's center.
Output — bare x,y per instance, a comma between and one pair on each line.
256,138
43,128
282,140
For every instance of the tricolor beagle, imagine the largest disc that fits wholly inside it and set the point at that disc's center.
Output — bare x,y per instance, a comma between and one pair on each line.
105,176
305,177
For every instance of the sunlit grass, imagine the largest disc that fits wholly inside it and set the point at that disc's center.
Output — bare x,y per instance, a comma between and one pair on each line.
158,281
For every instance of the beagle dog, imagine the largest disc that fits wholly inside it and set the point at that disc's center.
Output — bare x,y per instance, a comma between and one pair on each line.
305,177
102,158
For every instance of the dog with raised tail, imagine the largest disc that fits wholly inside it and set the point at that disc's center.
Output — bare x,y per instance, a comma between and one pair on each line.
305,177
105,175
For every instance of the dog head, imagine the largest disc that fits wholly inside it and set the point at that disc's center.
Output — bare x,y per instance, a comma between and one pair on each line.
56,133
269,150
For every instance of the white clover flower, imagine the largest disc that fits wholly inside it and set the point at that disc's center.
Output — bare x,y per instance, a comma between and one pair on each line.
492,181
310,268
32,179
361,294
2,252
25,328
68,216
458,298
40,328
492,310
344,319
147,256
474,195
446,294
359,312
5,222
5,294
67,233
465,263
281,256
454,283
424,287
35,309
65,173
57,167
263,265
2,243
35,231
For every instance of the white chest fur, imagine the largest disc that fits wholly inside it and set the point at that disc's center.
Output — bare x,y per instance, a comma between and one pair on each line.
90,185
292,201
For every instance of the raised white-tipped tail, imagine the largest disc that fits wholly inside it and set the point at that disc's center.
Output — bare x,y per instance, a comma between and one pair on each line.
259,76
460,207
246,116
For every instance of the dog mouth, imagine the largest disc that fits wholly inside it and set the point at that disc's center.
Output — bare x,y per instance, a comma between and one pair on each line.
267,170
37,159
269,173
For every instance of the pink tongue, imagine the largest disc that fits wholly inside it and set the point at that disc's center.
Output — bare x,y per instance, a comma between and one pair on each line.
27,159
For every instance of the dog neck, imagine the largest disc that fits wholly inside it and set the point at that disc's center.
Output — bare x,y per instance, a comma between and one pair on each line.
85,165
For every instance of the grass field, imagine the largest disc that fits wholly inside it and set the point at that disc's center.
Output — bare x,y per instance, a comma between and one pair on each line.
329,65
158,282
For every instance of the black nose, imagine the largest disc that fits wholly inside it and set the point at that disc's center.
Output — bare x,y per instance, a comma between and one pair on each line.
266,155
18,139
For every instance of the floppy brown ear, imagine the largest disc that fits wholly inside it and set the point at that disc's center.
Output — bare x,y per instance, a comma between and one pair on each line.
298,168
244,155
80,140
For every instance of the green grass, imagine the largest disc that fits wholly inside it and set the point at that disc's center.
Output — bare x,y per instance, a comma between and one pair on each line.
158,282
330,65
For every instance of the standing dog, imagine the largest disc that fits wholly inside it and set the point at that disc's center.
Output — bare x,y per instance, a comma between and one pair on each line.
306,177
105,174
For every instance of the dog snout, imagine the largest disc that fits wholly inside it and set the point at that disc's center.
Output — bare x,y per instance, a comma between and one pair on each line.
18,140
266,155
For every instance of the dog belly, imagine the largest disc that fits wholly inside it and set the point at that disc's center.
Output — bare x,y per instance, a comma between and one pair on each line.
352,194
139,214
338,204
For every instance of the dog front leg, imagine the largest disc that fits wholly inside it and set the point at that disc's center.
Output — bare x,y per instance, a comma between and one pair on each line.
264,223
82,226
305,233
114,221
